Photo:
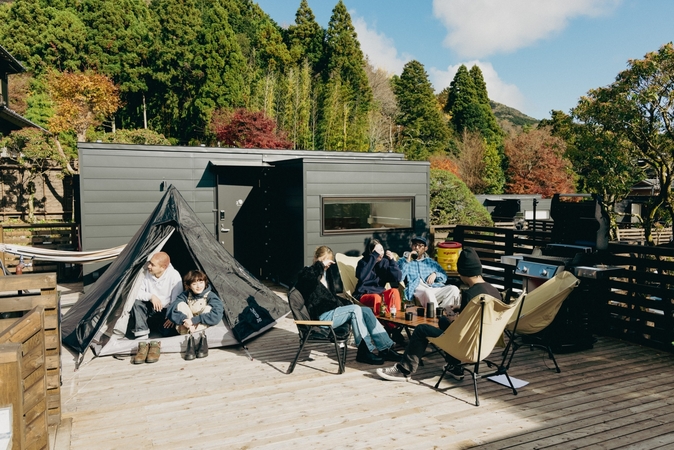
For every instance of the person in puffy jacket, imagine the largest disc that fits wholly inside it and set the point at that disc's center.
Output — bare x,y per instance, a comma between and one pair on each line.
198,307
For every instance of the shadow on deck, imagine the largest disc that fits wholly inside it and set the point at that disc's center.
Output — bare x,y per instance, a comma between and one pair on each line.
616,395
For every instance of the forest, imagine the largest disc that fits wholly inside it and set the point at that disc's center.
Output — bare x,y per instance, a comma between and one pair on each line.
223,73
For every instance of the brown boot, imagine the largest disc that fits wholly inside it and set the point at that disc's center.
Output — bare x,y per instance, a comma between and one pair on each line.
141,354
153,353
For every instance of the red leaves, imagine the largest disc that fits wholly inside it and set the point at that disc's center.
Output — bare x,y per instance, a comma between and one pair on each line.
246,129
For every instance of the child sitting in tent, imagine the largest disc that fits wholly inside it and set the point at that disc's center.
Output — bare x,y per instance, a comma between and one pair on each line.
195,310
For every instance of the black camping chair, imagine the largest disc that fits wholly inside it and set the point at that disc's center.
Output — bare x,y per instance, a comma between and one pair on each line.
317,331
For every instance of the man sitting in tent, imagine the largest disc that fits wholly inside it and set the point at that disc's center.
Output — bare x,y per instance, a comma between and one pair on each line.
161,285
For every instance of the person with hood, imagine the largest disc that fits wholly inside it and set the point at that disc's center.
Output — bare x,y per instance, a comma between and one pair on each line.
322,304
470,272
197,308
374,271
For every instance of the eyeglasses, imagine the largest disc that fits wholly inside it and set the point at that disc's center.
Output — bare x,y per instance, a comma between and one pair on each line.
417,244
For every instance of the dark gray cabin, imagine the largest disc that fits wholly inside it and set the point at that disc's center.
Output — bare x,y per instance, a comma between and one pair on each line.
269,208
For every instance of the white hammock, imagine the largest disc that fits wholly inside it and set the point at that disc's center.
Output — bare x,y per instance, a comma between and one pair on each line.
62,255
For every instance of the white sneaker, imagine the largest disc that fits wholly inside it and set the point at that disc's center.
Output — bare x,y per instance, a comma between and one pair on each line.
392,374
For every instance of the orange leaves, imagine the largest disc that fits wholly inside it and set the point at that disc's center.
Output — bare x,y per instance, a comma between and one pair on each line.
81,100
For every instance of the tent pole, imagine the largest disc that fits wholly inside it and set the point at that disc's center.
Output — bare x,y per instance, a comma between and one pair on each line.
247,352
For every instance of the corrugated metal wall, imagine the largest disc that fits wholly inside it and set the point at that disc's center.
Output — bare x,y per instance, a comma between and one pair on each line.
121,185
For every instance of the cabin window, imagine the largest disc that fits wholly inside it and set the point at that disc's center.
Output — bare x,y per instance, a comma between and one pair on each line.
349,214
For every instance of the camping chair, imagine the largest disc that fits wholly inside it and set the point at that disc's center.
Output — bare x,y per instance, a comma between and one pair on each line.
539,310
347,270
317,331
473,336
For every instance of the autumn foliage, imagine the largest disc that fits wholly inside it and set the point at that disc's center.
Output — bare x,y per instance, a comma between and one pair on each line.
536,164
246,129
443,162
82,100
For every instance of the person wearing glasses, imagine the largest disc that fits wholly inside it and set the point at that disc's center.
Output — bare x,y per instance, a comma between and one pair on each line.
425,279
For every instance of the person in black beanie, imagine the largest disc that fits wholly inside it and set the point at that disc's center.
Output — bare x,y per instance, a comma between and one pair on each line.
470,272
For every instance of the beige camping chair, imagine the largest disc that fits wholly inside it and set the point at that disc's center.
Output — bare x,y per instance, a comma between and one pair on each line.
474,334
347,270
538,311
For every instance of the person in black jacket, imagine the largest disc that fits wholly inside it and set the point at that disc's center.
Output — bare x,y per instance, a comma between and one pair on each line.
322,304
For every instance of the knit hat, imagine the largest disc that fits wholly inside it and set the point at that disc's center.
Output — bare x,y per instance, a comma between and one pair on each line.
469,264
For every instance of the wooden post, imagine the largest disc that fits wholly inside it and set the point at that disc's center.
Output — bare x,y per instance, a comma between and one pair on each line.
2,254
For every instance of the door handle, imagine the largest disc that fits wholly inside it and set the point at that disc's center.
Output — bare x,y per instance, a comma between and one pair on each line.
224,230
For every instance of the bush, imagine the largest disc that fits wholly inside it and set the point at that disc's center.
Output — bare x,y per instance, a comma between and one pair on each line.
452,203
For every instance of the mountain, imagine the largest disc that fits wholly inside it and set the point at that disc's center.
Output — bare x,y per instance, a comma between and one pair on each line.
510,119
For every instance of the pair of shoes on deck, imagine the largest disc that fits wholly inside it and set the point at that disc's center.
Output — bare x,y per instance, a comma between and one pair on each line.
147,352
195,350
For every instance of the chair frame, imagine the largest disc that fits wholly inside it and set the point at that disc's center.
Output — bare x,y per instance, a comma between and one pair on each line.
542,342
501,368
312,328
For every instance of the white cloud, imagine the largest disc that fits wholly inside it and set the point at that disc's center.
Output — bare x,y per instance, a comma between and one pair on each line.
478,28
378,47
498,90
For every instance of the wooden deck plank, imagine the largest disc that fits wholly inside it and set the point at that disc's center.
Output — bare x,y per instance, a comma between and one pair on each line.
228,401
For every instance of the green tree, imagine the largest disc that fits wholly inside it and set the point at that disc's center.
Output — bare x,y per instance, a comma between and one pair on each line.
601,159
306,38
118,40
347,98
201,71
44,36
639,108
423,129
451,202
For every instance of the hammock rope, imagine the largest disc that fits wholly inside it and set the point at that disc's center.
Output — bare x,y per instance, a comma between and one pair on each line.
43,254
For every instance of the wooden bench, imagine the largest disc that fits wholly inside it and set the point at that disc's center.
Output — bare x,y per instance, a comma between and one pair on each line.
18,296
24,380
637,235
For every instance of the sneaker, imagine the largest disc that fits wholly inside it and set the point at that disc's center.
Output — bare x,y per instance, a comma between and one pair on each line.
392,374
154,352
141,354
456,372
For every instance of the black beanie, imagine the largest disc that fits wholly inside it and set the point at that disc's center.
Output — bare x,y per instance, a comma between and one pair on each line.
469,264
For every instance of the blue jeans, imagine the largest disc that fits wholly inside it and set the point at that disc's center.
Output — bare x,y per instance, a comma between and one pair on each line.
364,324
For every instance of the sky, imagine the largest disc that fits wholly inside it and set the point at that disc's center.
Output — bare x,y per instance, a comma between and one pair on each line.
535,55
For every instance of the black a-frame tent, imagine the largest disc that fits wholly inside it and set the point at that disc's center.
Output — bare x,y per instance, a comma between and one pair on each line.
99,318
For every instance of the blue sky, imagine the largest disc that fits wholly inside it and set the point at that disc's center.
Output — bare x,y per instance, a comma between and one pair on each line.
536,55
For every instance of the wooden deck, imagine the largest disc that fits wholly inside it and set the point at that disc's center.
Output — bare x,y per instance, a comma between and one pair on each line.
616,395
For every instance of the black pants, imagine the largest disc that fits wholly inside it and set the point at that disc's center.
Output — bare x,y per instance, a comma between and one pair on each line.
417,347
144,317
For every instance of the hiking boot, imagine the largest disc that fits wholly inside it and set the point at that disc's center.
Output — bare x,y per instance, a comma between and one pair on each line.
141,354
153,353
202,348
390,355
392,374
365,356
190,353
456,372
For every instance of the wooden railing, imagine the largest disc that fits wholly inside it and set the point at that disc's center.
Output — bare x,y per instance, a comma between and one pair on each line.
19,295
638,235
636,305
56,236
